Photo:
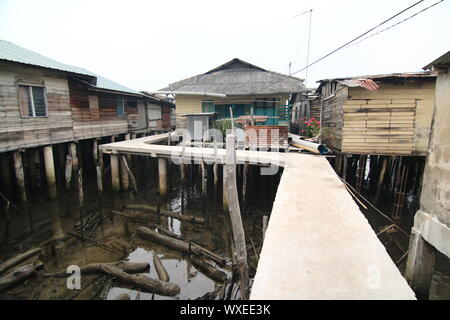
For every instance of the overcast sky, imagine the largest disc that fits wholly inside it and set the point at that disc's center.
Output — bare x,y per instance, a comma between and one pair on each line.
146,45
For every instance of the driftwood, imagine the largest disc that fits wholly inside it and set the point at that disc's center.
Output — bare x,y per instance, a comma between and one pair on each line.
142,281
176,244
209,270
166,213
168,233
122,296
129,267
160,270
17,276
11,263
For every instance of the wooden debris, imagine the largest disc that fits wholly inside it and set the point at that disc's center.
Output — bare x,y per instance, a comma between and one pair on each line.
209,270
124,266
173,243
142,281
17,276
160,270
166,213
14,261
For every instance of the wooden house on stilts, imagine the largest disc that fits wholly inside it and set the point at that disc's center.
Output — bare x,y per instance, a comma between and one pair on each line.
386,118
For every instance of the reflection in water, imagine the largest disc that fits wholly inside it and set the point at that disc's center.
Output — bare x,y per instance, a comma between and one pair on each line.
59,228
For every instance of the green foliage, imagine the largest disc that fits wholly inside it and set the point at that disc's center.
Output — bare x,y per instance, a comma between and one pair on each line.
222,125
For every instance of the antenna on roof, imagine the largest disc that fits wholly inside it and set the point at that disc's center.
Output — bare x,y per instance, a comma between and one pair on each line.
309,41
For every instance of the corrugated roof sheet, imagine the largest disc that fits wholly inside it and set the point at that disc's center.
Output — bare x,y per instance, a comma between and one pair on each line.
442,61
12,52
420,74
238,77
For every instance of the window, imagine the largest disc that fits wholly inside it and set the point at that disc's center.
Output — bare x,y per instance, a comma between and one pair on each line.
32,101
120,107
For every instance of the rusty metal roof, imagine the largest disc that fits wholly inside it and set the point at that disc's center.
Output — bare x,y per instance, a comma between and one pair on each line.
369,83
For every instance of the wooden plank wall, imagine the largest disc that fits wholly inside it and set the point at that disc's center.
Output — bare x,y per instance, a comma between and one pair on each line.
74,112
395,119
17,132
332,115
94,113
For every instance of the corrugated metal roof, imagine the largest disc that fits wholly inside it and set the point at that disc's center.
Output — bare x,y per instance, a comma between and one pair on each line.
420,74
238,77
12,52
442,61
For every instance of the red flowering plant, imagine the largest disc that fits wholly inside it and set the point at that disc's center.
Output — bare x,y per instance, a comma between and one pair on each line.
312,128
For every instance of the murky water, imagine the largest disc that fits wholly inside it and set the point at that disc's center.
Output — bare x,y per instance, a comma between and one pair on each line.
52,225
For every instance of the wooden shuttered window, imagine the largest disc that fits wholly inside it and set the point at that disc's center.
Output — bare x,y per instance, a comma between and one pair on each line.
32,101
120,107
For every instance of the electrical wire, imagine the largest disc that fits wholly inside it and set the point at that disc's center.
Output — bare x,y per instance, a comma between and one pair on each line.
349,42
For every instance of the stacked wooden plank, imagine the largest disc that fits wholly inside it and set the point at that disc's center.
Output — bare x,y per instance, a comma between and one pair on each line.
376,126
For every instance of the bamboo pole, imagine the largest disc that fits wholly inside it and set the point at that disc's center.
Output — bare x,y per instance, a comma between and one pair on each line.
235,215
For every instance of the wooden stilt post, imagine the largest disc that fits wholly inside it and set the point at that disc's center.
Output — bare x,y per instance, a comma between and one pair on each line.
124,179
6,178
235,216
203,174
49,164
68,171
162,172
344,167
32,168
115,179
382,174
224,191
95,150
73,155
18,167
244,182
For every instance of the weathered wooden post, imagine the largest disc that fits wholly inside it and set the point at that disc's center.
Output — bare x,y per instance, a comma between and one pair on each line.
124,179
162,172
73,155
49,165
344,169
115,179
224,191
235,216
68,171
18,167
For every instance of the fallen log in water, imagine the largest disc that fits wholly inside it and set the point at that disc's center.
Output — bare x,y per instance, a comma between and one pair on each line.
209,270
142,281
169,233
160,270
167,213
17,276
176,244
14,261
129,267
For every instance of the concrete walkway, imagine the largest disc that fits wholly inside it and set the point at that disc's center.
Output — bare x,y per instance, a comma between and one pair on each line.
318,244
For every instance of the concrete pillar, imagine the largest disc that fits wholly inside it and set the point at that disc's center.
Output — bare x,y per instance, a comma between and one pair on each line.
49,165
420,264
115,179
162,171
20,178
124,178
224,191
